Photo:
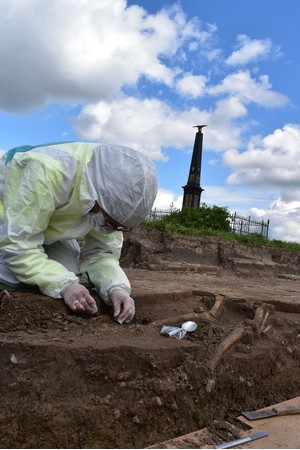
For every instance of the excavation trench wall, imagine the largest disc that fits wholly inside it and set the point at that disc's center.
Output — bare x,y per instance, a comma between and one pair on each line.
158,396
150,248
74,381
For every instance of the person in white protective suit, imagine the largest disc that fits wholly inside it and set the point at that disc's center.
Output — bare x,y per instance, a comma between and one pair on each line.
50,196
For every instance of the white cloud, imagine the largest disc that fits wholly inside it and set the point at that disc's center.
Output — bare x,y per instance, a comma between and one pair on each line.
235,198
283,216
166,199
192,86
135,76
150,125
147,125
213,54
275,164
248,89
272,167
81,51
284,219
250,50
229,109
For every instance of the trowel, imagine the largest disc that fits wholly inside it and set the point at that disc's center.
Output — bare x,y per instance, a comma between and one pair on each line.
236,442
276,411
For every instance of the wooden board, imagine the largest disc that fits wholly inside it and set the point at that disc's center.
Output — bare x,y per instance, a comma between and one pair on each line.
284,432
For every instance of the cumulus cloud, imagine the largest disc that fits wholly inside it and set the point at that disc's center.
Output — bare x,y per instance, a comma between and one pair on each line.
275,164
236,198
138,78
284,218
248,89
272,167
167,199
89,54
150,125
249,50
192,86
79,51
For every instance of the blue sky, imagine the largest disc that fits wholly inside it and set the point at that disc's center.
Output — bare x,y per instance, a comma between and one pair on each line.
143,73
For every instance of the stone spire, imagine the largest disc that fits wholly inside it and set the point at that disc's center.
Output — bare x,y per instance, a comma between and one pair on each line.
192,190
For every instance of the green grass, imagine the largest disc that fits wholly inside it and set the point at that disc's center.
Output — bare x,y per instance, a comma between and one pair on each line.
212,221
252,238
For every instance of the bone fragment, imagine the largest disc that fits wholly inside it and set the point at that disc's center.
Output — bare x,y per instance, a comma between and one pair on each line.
226,344
217,308
4,298
261,317
182,318
204,316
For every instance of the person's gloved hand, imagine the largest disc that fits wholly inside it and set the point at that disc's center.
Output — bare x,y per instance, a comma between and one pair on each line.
124,308
77,298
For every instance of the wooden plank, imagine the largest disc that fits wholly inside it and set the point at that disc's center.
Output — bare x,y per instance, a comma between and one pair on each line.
284,432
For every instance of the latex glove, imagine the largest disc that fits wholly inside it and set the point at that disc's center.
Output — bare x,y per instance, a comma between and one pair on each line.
124,308
77,298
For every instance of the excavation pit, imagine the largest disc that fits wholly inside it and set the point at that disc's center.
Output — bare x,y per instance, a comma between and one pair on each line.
71,381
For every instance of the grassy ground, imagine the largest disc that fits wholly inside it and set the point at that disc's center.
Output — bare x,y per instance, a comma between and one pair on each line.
252,238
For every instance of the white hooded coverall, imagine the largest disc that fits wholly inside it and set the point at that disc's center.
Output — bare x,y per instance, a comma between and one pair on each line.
46,194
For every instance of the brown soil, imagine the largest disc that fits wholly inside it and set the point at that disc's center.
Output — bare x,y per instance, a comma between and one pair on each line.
73,381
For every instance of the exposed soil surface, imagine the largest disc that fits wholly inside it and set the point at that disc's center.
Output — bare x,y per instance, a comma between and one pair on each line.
74,381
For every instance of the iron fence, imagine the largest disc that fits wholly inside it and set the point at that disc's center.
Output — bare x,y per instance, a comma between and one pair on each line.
159,214
243,225
238,224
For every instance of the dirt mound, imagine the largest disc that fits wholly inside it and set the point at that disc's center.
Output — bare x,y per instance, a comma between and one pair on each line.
75,381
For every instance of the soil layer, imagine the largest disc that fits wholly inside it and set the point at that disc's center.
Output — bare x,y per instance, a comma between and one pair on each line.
75,381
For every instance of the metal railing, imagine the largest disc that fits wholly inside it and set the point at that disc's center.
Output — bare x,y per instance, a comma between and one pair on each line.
238,224
243,225
159,214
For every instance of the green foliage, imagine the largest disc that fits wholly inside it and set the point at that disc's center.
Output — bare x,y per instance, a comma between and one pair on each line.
252,238
198,219
212,221
287,245
258,239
